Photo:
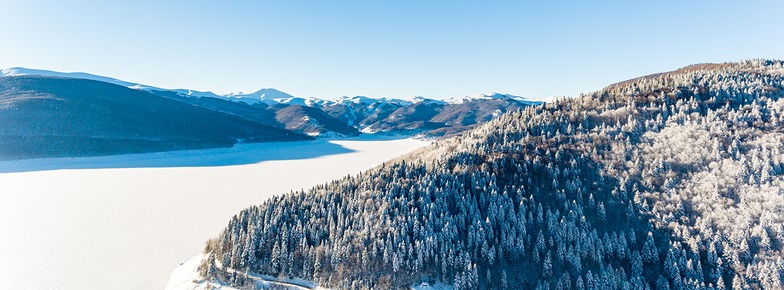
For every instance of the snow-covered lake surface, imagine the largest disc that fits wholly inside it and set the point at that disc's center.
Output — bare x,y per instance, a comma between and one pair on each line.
126,222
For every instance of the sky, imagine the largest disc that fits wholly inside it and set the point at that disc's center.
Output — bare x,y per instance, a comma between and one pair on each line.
435,49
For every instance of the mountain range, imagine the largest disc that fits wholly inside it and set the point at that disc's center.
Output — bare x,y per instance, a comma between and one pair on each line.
54,114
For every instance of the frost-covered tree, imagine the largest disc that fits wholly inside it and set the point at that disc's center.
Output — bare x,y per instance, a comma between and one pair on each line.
672,181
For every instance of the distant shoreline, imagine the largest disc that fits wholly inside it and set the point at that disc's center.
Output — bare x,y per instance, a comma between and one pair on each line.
239,154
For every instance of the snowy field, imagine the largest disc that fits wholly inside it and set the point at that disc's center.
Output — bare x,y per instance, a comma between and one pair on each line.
126,222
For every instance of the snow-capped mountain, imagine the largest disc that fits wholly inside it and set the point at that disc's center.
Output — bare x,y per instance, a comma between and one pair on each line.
420,99
195,94
367,100
492,96
343,116
266,95
419,114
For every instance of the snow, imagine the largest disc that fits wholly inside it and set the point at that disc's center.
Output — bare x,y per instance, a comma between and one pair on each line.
20,71
355,100
271,96
369,130
315,102
262,95
311,102
186,277
428,286
418,99
362,100
197,94
124,222
266,95
457,101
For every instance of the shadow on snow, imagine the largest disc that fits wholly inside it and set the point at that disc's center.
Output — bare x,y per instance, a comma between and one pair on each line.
240,154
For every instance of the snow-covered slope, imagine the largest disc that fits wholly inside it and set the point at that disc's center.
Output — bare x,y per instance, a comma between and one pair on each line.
186,277
420,99
363,100
197,94
263,95
492,96
20,71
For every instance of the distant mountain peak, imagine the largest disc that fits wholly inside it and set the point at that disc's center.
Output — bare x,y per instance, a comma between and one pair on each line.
262,95
355,100
364,100
420,99
491,96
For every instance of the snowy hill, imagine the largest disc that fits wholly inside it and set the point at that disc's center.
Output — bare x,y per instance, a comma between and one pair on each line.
20,71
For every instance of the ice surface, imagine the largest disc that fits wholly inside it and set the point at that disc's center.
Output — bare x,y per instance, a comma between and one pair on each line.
240,154
125,222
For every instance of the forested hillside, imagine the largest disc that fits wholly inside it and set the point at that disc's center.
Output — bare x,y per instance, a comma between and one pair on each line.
672,181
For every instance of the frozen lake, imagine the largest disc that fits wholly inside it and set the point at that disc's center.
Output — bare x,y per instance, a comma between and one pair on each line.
126,222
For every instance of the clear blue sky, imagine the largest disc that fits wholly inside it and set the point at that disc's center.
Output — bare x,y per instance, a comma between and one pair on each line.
436,49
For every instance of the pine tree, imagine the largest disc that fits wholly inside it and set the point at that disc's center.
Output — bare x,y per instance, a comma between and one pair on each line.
649,254
662,284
